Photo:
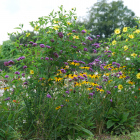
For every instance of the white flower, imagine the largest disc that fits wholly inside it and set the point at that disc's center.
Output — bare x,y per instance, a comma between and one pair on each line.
127,58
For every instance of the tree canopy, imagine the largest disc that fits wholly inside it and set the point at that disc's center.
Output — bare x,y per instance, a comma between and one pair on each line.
103,18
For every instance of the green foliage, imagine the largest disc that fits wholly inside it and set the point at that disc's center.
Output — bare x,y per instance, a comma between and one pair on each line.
120,122
104,18
8,49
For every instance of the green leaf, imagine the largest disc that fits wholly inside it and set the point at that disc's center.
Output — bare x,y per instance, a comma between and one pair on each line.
80,128
110,123
17,28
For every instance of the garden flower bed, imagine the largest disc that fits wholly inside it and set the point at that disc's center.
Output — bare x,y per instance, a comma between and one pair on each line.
53,93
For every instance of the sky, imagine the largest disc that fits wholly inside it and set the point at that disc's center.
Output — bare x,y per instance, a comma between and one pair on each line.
15,12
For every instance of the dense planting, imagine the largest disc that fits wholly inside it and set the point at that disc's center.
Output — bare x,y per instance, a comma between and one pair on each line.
53,93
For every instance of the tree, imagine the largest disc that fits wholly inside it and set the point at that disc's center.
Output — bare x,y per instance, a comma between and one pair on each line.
104,18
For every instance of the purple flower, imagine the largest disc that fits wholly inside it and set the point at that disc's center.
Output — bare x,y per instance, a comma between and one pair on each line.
24,67
91,69
113,63
49,96
17,72
94,51
56,55
8,98
115,87
6,76
118,65
51,58
48,46
65,63
89,38
73,31
98,35
67,92
110,100
85,49
26,45
60,34
42,45
52,40
109,56
74,46
61,105
18,59
31,42
34,44
22,57
23,74
6,63
109,68
83,31
0,70
85,75
11,62
42,58
63,71
47,58
25,83
83,43
91,94
108,92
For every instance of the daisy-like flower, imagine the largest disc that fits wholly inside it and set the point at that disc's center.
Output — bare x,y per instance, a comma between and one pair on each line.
125,48
125,29
75,37
31,72
138,76
58,107
134,55
56,27
117,31
68,23
131,36
120,87
114,42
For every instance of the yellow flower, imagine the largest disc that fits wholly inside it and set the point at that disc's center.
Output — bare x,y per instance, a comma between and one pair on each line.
134,55
125,29
27,34
131,36
117,31
114,42
126,40
125,48
68,23
48,32
75,37
67,100
31,72
120,87
137,31
58,107
69,34
113,53
138,76
56,27
36,28
55,21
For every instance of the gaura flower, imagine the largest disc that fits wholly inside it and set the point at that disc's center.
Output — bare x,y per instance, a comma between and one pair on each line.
138,76
125,29
134,55
125,48
31,72
117,31
114,42
120,87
